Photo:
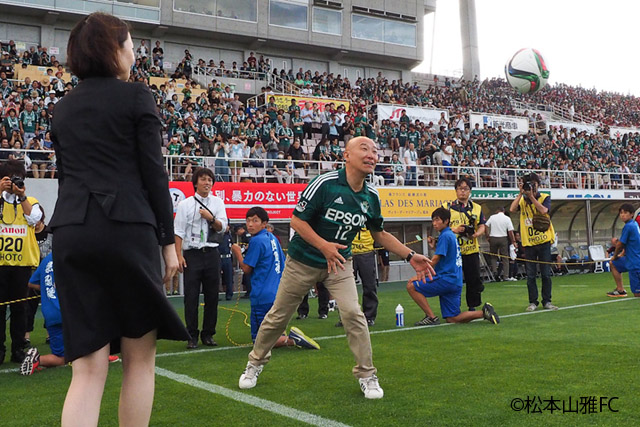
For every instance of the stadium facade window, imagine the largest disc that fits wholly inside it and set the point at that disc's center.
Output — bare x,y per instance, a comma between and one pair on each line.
383,30
239,10
327,21
289,14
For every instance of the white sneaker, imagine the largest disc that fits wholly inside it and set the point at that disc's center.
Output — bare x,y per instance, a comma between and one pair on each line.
249,377
549,306
371,388
512,279
532,307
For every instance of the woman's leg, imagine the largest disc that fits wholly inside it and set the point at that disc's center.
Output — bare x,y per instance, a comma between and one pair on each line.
138,379
82,404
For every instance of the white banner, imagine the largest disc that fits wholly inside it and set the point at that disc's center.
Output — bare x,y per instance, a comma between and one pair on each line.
570,125
571,194
616,132
511,124
425,115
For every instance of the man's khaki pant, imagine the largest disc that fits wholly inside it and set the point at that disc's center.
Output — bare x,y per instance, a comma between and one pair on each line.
296,281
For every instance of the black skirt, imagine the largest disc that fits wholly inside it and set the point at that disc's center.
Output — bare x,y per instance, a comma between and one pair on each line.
109,282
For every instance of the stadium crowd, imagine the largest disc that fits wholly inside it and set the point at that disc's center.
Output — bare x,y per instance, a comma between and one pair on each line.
216,123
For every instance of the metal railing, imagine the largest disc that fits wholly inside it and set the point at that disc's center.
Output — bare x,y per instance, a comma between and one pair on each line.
180,167
262,170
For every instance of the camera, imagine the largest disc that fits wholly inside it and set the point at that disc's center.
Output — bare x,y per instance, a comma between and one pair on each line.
468,231
528,181
18,181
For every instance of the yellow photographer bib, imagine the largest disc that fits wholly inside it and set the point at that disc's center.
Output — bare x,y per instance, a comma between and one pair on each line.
530,236
362,243
18,245
467,245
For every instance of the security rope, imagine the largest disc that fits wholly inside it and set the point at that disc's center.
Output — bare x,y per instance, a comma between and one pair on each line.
19,300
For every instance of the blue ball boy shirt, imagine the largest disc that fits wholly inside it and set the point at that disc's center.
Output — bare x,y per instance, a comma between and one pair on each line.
630,238
43,276
449,268
265,256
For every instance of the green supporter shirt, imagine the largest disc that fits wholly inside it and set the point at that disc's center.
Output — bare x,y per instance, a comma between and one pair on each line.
336,213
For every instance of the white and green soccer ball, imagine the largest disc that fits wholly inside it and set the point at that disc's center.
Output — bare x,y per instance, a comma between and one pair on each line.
526,71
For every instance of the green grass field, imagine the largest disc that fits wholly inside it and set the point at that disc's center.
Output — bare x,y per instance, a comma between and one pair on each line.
450,375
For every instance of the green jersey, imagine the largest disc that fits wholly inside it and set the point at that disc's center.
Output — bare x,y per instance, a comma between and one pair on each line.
336,213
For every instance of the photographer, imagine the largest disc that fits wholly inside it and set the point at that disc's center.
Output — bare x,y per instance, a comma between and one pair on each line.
537,236
198,221
19,255
467,222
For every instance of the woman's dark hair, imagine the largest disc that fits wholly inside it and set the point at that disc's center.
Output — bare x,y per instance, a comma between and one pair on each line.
92,50
200,172
259,212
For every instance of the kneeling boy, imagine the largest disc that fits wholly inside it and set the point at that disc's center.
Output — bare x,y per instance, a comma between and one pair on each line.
447,283
629,242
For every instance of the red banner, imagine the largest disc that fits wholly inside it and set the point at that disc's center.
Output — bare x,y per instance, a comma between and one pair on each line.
277,199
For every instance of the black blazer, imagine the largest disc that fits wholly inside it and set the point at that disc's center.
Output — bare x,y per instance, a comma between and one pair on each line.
106,135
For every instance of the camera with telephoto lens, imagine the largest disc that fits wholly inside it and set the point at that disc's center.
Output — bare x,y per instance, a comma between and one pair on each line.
18,181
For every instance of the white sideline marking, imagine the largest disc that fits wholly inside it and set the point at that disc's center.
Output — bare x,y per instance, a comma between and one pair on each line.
387,331
264,404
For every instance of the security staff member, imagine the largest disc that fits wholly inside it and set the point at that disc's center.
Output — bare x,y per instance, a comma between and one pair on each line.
537,244
467,222
19,253
198,218
226,264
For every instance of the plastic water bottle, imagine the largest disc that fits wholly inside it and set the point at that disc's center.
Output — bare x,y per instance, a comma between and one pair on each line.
399,316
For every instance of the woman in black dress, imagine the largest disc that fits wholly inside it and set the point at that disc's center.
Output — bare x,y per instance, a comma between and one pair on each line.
112,212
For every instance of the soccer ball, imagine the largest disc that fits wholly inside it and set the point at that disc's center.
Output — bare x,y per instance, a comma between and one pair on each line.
526,71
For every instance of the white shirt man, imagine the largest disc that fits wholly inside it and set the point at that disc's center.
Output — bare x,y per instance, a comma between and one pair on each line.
196,217
500,236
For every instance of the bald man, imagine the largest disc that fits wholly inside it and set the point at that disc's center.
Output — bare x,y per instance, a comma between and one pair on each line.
332,210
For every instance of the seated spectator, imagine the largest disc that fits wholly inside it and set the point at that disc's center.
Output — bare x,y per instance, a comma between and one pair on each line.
39,159
279,170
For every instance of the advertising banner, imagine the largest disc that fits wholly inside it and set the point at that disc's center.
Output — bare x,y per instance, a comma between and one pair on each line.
571,125
425,115
572,194
277,199
513,124
283,101
618,132
417,203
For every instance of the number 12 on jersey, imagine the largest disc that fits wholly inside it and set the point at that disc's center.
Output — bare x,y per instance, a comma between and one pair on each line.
342,235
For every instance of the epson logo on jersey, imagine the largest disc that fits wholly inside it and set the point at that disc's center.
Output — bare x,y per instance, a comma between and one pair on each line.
346,218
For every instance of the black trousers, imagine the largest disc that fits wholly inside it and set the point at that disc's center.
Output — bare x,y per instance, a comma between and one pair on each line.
306,130
471,271
364,265
323,301
226,270
202,272
13,286
538,253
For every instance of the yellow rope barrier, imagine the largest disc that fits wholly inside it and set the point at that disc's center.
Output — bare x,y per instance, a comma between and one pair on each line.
233,311
19,300
579,262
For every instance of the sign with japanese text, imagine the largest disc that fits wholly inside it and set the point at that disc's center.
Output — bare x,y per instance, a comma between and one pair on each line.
417,203
393,112
277,199
516,125
284,101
